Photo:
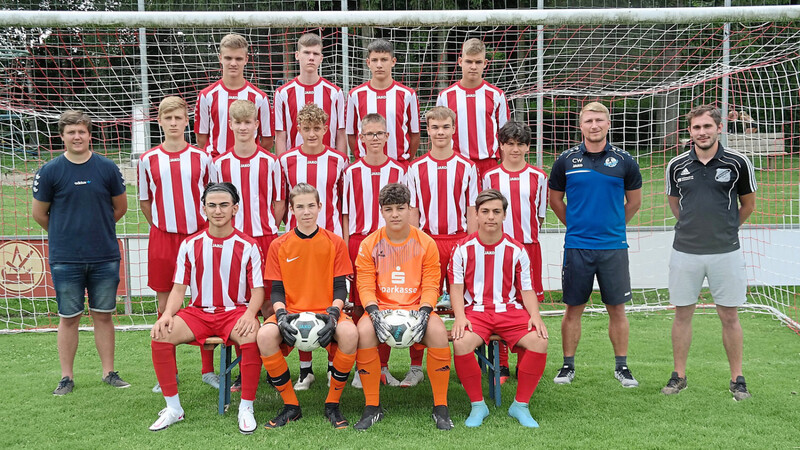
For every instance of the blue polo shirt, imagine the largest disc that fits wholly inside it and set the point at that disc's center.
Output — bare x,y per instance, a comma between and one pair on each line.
81,227
595,185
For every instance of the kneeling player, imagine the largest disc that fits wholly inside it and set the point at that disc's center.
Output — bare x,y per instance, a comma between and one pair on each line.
398,268
504,305
308,267
223,266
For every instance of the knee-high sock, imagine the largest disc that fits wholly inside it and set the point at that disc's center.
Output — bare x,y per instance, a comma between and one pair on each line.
165,367
530,371
332,349
369,369
520,354
416,355
207,358
342,364
469,373
439,373
503,347
250,368
385,351
305,357
278,372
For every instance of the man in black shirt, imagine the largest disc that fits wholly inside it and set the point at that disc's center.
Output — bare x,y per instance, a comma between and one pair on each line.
711,191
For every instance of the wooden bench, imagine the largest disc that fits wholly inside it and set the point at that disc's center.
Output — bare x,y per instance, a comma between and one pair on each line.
225,367
767,145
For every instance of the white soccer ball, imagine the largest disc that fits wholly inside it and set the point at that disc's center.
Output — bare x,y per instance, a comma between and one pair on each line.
400,324
308,328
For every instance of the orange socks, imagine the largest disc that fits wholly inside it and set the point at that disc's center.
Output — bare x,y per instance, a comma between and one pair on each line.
342,363
369,369
278,372
438,373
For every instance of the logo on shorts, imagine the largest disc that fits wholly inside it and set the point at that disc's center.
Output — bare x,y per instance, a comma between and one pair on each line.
22,267
611,162
723,175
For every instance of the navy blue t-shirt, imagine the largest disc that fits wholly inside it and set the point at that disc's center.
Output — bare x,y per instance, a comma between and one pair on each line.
81,227
595,185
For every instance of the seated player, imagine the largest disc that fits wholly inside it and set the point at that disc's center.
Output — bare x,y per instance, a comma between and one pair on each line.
506,307
308,267
398,268
223,266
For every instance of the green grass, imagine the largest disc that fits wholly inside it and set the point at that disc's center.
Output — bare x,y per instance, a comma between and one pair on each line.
777,200
592,412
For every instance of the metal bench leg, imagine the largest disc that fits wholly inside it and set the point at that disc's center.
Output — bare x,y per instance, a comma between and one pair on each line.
496,372
224,394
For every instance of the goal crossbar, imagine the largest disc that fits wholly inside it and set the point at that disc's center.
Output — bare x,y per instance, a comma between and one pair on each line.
208,19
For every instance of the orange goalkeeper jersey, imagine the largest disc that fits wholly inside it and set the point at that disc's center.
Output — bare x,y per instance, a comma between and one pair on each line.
398,276
307,268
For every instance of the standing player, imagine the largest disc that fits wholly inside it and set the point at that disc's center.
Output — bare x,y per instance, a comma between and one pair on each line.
223,267
492,276
361,217
481,108
603,187
397,103
308,266
172,177
211,112
443,186
526,188
323,168
398,268
709,212
77,199
309,87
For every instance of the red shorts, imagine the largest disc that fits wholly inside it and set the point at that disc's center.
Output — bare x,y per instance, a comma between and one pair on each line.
205,325
446,243
535,255
263,244
286,349
352,247
162,255
483,166
511,325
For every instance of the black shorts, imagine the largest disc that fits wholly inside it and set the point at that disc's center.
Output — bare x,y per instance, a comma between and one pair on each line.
581,266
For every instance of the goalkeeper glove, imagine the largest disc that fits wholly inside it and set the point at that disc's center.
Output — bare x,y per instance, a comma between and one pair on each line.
330,319
382,330
418,330
288,331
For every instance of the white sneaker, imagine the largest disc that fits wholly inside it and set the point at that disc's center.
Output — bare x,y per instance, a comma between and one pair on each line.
356,381
444,302
211,379
247,421
387,378
304,383
166,417
413,377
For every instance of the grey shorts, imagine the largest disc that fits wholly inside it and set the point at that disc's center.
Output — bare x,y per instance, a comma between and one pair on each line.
726,273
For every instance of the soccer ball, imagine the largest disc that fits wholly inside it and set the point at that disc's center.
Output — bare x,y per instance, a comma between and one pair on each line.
308,328
400,324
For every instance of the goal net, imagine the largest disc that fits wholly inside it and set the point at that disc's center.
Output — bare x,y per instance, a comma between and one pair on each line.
649,75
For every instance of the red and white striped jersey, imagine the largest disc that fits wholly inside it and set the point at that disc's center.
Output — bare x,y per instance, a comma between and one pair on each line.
443,190
221,272
292,96
526,192
211,114
398,104
493,275
174,182
362,185
326,173
258,179
480,113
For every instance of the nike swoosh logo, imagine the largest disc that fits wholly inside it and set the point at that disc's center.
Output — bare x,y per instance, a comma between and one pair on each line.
290,260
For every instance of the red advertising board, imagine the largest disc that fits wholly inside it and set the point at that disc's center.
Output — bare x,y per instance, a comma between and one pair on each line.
25,272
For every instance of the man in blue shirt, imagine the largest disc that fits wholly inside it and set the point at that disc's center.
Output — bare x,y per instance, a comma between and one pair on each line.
603,188
78,197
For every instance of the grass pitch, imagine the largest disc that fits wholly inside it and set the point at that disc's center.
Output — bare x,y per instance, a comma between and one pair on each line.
595,411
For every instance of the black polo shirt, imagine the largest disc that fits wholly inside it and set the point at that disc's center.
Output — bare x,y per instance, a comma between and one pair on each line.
709,204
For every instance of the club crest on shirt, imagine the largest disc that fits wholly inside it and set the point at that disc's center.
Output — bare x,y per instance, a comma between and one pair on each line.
723,175
611,162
